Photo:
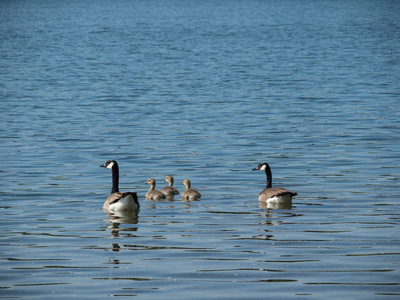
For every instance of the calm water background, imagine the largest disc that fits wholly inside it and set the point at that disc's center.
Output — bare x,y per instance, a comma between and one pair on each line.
204,90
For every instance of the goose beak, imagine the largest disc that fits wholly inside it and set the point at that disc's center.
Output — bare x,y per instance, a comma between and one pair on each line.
255,169
103,165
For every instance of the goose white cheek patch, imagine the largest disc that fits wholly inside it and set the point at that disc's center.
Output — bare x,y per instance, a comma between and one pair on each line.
262,168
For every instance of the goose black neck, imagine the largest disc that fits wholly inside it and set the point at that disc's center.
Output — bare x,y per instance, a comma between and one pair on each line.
268,173
115,178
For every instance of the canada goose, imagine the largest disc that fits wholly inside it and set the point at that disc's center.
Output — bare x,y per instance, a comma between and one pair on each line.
169,191
270,194
190,194
119,201
152,193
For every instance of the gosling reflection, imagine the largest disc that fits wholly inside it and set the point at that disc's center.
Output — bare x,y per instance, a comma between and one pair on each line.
116,230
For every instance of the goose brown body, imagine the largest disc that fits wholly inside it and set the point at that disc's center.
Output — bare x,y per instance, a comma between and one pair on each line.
270,194
119,201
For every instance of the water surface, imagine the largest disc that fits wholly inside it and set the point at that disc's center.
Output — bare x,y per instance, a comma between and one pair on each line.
204,91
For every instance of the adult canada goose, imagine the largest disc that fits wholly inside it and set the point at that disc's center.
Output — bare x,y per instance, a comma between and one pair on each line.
153,194
189,194
270,194
119,201
169,191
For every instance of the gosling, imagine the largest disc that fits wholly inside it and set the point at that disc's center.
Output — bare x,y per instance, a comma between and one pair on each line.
189,194
153,194
169,191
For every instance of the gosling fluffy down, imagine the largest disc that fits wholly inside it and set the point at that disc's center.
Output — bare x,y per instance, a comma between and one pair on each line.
153,194
169,191
190,194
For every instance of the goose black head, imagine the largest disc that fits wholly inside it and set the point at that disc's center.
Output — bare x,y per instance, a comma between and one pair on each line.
109,164
261,167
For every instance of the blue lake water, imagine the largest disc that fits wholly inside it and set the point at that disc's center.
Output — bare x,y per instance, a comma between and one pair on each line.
204,90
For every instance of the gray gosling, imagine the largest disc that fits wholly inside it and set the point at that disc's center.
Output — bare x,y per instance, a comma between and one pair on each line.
169,191
153,194
119,201
190,194
273,195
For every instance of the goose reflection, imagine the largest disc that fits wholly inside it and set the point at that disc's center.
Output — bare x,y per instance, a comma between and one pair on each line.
116,219
115,247
125,217
116,230
274,205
